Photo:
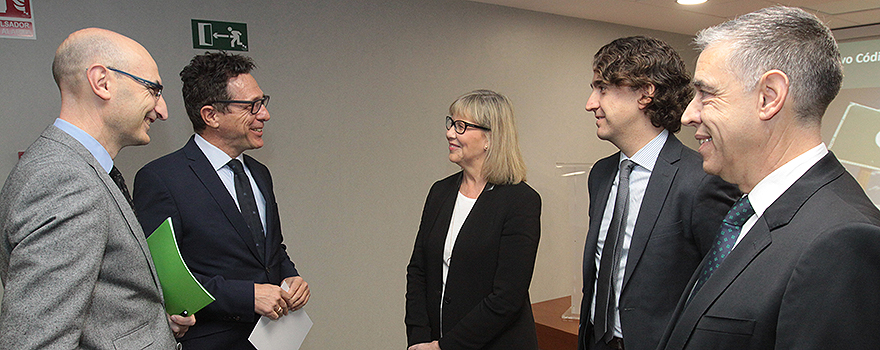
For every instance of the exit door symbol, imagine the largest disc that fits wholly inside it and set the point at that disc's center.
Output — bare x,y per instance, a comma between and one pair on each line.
219,35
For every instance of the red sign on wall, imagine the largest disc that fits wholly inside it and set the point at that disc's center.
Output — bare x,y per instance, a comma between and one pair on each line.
16,19
15,8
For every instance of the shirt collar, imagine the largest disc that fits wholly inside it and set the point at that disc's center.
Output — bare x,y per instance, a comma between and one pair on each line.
216,156
646,157
90,143
777,182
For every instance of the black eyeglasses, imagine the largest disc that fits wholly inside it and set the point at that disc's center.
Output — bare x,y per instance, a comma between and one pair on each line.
154,87
255,105
461,125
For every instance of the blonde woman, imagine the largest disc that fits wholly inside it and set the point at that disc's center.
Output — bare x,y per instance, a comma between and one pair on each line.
468,279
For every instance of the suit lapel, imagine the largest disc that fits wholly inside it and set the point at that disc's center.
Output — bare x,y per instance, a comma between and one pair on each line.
264,181
786,206
130,220
128,214
443,214
756,240
476,221
442,219
604,171
655,195
758,237
209,178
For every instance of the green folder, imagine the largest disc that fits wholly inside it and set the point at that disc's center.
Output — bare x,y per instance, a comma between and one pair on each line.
184,295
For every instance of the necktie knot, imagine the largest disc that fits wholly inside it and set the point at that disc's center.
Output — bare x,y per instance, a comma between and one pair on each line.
117,178
626,167
236,166
740,212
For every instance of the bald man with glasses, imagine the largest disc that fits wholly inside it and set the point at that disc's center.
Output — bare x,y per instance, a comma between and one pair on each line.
222,205
75,265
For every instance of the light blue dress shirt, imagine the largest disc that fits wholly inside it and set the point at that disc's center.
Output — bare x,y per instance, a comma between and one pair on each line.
90,143
645,159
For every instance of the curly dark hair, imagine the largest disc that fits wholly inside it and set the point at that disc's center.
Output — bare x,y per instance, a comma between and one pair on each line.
205,79
638,62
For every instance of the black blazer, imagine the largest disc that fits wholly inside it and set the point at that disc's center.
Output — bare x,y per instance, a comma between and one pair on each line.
678,219
214,240
804,277
486,305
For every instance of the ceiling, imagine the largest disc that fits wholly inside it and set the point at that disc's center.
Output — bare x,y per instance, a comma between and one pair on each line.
666,15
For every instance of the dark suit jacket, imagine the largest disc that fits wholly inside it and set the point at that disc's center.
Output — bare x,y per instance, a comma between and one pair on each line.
804,277
214,240
678,219
76,267
486,305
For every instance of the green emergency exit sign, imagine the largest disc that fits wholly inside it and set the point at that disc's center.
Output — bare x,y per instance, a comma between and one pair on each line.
216,35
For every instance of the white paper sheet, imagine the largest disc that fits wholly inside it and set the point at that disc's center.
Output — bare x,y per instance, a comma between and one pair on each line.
286,333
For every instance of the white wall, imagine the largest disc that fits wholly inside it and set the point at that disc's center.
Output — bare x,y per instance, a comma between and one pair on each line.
359,91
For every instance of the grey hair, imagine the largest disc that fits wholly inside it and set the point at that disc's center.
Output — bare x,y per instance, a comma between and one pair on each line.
788,39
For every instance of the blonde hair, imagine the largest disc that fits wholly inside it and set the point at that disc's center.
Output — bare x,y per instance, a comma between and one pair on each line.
504,163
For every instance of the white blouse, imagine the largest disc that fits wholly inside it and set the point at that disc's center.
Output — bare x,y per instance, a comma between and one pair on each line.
463,206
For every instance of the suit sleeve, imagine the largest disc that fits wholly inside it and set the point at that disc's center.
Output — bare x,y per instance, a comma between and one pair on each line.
516,262
57,234
418,328
713,200
154,203
831,300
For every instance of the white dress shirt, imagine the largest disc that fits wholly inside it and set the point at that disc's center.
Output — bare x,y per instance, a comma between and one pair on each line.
776,183
218,160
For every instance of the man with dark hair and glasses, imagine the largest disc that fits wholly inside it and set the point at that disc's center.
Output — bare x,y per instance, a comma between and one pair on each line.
222,205
75,265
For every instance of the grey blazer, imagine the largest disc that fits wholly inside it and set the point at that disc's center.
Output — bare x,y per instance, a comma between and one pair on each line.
74,262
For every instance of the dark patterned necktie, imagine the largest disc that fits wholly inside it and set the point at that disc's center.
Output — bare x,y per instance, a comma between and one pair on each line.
116,175
248,206
731,228
606,302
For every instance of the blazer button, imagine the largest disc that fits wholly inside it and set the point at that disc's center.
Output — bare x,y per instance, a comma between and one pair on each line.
267,270
446,300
